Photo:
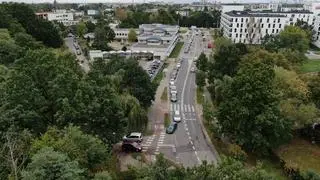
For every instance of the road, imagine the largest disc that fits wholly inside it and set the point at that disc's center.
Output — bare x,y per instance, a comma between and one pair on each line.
188,144
83,62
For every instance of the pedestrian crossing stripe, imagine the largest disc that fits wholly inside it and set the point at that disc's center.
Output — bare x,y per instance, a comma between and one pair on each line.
185,108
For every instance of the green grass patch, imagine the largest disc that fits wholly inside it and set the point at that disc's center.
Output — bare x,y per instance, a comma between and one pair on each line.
176,50
310,66
274,169
300,154
164,96
200,98
183,30
166,120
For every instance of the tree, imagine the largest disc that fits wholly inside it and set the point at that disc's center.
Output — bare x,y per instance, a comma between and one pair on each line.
314,87
249,115
81,29
200,79
132,35
294,38
51,165
121,14
26,41
103,35
9,52
307,28
104,175
90,27
202,62
87,150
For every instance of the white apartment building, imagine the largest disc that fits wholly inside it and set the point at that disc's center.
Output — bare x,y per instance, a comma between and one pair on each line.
231,7
251,27
60,16
121,34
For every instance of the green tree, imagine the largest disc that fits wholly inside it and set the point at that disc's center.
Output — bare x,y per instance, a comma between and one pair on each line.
132,35
104,175
90,27
81,29
26,41
306,27
202,62
294,38
249,114
51,165
9,52
103,35
314,87
200,79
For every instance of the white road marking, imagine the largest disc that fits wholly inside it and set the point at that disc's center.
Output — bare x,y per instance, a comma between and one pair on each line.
190,119
192,108
189,108
189,137
185,107
171,107
187,129
193,148
188,134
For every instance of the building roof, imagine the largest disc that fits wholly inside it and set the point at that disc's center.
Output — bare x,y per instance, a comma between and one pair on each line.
252,14
292,5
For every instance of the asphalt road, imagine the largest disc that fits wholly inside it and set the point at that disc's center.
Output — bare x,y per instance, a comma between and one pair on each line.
187,145
83,62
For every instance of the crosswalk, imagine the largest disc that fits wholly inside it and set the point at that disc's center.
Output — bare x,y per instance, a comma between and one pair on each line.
185,108
147,144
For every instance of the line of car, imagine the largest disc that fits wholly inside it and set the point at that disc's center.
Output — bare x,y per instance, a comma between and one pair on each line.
153,67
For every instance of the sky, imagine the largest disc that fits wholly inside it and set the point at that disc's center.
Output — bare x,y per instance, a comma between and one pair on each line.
130,1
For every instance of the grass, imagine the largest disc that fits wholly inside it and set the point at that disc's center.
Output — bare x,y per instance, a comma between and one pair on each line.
300,154
158,78
200,98
176,51
164,96
274,169
166,120
310,66
183,30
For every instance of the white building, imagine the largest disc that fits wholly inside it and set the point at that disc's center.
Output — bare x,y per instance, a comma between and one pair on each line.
92,12
251,27
60,16
157,38
245,27
231,7
121,34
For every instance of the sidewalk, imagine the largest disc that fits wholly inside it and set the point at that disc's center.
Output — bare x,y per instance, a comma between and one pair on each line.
159,107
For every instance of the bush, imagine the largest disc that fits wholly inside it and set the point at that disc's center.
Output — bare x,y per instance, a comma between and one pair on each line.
236,152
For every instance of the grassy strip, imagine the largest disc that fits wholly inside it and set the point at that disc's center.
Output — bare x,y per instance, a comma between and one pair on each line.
310,66
166,120
176,51
164,96
200,98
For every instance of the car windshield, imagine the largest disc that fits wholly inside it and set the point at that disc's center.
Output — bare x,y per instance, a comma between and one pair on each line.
170,128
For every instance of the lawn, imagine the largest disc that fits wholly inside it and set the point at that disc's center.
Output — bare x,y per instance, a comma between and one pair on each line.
300,154
183,30
310,66
166,120
200,98
176,50
164,96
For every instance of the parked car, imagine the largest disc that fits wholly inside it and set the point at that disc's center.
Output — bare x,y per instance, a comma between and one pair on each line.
133,137
178,65
131,147
171,82
176,117
192,69
173,97
173,89
78,52
171,128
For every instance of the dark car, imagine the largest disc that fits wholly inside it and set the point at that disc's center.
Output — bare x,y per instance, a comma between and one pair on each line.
171,128
131,147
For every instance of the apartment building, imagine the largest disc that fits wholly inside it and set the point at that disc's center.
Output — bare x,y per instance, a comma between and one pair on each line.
61,15
250,27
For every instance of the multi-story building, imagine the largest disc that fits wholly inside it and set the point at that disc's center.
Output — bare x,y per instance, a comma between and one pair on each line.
250,27
157,38
60,16
121,34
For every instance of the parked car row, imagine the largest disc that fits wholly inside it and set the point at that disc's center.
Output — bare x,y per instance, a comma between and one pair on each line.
153,68
188,44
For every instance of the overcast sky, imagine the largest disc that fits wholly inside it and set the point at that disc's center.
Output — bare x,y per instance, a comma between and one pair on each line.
130,1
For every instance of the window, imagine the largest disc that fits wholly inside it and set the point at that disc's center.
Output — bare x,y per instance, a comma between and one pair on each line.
235,30
237,25
260,20
246,19
240,30
279,25
240,35
231,19
274,25
274,20
266,31
246,35
244,41
241,19
236,19
268,20
245,30
272,31
261,25
269,25
236,35
277,30
241,25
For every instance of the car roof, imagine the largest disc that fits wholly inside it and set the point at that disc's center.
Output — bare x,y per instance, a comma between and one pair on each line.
135,134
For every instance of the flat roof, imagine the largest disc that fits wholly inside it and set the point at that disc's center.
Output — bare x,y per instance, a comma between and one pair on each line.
252,14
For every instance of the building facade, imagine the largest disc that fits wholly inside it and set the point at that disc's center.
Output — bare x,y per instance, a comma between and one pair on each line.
251,27
157,38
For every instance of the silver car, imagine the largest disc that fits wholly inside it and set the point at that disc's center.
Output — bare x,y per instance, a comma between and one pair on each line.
133,137
173,97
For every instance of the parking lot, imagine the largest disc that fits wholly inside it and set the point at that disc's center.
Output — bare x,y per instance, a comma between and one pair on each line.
152,67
